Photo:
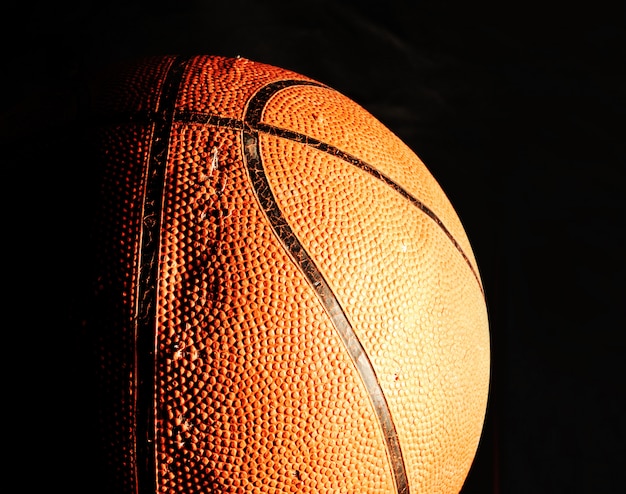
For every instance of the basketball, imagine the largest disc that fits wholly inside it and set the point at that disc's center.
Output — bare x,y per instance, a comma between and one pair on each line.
284,300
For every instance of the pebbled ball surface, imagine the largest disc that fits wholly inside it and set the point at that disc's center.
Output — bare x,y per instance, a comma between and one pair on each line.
285,299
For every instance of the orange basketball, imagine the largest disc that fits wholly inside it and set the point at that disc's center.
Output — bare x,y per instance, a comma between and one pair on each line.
286,301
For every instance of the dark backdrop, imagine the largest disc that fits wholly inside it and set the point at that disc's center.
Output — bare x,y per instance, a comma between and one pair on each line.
516,108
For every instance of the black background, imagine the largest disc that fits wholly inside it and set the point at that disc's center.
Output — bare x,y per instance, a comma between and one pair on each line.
516,108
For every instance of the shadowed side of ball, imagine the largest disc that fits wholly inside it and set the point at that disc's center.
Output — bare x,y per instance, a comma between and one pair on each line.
286,301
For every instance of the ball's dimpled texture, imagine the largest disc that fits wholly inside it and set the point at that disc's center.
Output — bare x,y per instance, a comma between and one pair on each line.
286,301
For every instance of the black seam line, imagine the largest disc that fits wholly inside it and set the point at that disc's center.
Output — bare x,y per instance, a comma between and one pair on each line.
147,283
301,258
187,116
208,119
332,150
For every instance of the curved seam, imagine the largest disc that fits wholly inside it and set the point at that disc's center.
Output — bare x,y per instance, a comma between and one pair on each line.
300,256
